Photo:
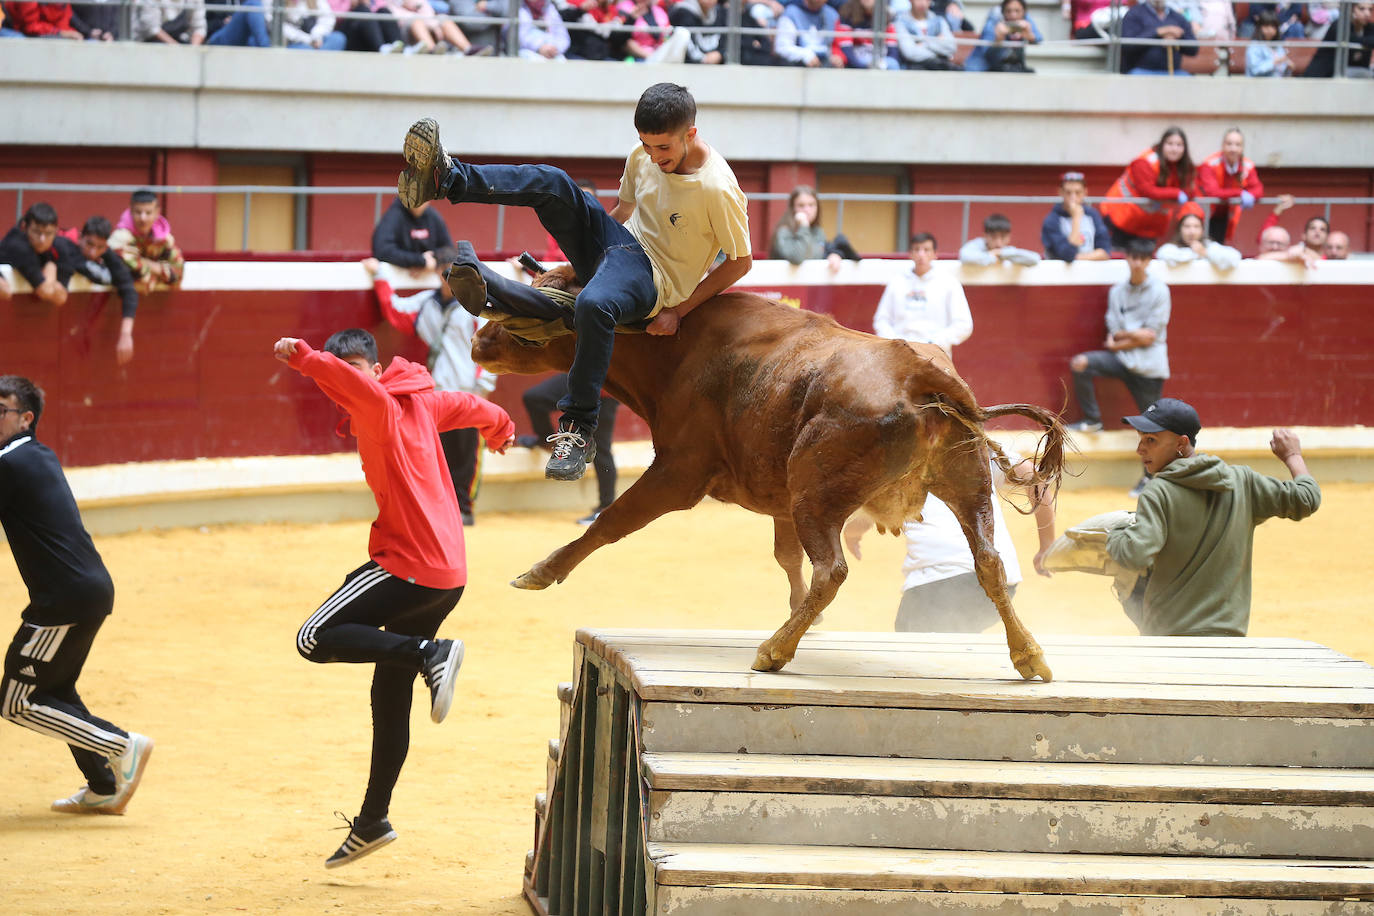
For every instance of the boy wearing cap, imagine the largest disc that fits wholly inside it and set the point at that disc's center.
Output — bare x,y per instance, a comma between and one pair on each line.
1195,524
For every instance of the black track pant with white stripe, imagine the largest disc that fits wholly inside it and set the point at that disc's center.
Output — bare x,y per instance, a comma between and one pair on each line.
377,618
39,693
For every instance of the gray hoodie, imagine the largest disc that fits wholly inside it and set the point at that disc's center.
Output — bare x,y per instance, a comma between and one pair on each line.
1195,524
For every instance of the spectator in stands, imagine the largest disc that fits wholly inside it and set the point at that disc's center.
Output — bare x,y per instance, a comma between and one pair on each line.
309,25
88,253
1288,17
853,46
1164,173
246,27
994,246
426,33
1275,245
543,36
43,20
804,34
941,593
604,40
1357,62
1154,20
409,236
1190,243
28,248
1229,175
652,39
98,20
143,239
483,37
1135,350
799,237
924,305
703,47
373,35
1314,234
925,41
172,22
1337,246
435,317
953,13
1266,55
1074,230
1010,30
1084,16
757,50
1212,20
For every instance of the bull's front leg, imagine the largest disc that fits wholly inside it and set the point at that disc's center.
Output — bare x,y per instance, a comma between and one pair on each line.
664,487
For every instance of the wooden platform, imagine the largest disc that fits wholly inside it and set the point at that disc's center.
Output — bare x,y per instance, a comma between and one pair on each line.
912,773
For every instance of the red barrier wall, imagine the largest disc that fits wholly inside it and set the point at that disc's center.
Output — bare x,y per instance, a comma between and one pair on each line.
203,383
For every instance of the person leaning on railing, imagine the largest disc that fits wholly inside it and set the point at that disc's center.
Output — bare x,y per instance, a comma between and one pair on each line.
170,22
925,40
1358,58
703,47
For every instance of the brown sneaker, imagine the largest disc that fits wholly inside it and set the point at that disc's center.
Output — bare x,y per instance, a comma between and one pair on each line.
427,163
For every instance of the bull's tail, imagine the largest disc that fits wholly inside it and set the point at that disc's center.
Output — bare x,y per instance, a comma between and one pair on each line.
1048,459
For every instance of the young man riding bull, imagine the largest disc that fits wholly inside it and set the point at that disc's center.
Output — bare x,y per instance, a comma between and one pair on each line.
650,257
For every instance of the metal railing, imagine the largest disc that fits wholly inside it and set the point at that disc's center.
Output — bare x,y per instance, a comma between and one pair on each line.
32,190
734,30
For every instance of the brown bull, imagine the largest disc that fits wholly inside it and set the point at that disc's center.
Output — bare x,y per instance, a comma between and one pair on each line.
790,415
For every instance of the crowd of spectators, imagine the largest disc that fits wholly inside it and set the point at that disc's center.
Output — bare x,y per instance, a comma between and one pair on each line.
919,34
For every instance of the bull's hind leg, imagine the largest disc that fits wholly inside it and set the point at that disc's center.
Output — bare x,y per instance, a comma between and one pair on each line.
787,550
971,503
663,488
820,538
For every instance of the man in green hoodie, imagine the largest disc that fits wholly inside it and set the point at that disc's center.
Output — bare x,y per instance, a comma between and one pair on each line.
1195,523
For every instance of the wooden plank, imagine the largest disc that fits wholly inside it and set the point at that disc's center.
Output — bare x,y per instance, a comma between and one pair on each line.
879,868
1149,828
1026,736
797,687
688,661
1255,785
775,901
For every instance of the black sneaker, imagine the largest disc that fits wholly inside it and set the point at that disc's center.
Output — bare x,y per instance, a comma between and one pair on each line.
573,447
363,837
465,280
442,659
427,164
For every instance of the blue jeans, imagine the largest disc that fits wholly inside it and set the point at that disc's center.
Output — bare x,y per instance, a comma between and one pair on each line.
334,41
245,29
617,278
1144,390
1145,71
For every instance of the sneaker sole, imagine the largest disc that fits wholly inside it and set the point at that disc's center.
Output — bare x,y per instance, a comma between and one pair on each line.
361,851
63,806
467,286
133,783
439,708
422,151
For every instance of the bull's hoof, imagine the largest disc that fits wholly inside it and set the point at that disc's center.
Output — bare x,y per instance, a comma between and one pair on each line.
768,660
1031,664
533,580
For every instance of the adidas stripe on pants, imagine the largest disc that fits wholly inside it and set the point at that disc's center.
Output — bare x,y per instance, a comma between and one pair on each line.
38,691
377,618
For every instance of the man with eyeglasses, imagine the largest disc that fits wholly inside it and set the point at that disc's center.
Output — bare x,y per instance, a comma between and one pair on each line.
70,595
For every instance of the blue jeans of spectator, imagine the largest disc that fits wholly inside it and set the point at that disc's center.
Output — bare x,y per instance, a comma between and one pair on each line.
617,278
1145,71
1105,363
334,41
245,29
10,33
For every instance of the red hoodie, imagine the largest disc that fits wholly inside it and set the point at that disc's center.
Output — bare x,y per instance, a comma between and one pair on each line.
418,534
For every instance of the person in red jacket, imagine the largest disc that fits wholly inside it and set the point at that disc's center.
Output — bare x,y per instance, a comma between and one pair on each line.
1228,174
43,20
388,610
1165,174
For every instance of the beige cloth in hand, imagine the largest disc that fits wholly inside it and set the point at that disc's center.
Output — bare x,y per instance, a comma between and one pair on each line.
1083,548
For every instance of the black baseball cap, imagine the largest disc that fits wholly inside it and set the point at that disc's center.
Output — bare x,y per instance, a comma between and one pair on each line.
1168,415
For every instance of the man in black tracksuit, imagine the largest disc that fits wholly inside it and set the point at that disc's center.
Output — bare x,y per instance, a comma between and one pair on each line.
89,254
408,237
70,595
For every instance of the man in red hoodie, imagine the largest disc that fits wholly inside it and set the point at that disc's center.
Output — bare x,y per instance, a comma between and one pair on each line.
388,610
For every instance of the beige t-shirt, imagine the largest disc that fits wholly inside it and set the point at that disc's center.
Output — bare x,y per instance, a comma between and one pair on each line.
683,221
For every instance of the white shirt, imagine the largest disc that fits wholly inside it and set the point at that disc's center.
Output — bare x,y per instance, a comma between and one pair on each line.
927,309
937,549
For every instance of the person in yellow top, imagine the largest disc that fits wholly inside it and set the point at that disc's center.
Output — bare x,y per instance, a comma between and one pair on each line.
649,258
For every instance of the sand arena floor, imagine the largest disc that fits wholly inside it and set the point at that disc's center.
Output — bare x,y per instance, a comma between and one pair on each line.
256,748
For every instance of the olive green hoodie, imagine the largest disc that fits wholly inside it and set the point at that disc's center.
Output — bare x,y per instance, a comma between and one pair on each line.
1195,524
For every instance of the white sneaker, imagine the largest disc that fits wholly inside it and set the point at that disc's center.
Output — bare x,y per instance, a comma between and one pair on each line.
443,658
392,47
128,769
84,801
